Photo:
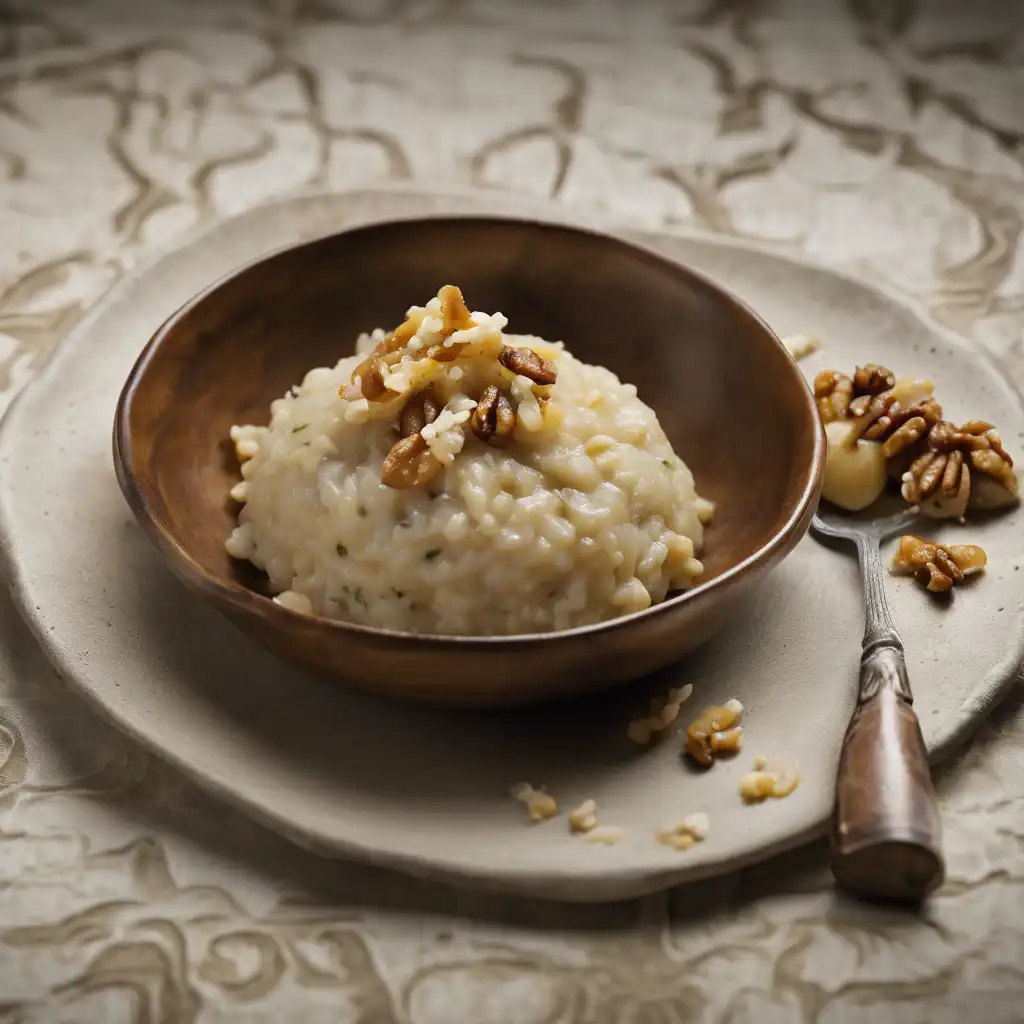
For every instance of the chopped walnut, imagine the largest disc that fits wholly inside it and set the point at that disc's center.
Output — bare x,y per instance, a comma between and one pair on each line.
879,403
905,436
526,363
727,741
878,417
834,392
939,481
988,456
964,466
454,311
872,379
972,436
756,785
692,829
421,409
445,353
839,395
945,469
938,566
714,731
493,419
767,780
584,817
400,336
539,805
371,372
410,463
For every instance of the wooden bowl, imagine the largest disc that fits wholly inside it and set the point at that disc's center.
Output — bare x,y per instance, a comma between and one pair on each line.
729,396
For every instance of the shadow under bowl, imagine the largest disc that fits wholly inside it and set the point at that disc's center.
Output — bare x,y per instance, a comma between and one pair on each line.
729,396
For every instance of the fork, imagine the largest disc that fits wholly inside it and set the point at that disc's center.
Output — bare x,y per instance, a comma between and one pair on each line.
886,834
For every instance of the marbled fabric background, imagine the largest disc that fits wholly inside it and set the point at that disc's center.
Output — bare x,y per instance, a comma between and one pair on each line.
886,136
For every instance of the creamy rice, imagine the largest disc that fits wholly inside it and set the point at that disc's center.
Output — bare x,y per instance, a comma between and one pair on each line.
582,514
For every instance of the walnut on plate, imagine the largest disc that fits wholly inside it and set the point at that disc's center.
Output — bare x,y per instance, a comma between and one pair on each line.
939,566
833,391
873,421
881,417
769,779
714,732
681,836
963,467
836,392
873,379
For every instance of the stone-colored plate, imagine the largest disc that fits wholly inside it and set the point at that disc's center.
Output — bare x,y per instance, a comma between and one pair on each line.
425,791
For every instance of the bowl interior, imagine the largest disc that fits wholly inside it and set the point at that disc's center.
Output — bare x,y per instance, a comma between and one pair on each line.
728,396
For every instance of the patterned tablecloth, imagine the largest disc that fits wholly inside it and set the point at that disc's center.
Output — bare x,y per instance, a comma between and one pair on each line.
884,136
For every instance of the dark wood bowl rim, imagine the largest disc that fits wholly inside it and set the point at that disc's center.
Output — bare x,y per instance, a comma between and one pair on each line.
248,601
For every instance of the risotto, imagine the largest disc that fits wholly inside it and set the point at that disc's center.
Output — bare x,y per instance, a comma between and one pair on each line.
452,478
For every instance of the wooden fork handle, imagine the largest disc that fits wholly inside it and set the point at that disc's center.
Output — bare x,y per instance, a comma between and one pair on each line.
886,835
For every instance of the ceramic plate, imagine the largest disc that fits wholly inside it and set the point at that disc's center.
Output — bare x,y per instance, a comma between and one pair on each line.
426,791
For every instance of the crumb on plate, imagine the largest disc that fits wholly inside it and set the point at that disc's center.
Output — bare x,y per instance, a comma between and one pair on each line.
769,779
661,713
715,732
584,817
681,836
539,804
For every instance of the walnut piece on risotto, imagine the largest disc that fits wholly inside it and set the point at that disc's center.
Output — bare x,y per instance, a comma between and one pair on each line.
493,419
421,409
524,362
410,463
